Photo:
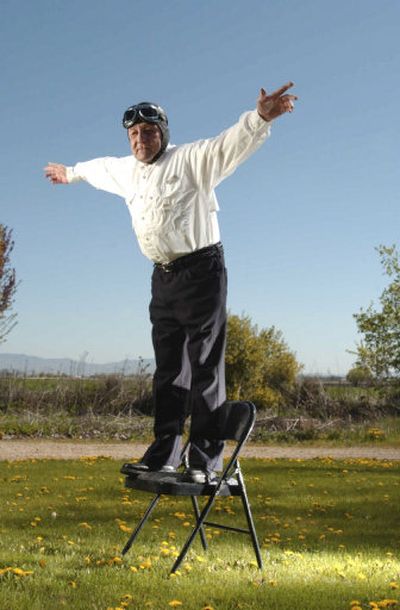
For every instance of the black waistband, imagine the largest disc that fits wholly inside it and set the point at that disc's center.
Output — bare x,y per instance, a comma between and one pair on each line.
186,261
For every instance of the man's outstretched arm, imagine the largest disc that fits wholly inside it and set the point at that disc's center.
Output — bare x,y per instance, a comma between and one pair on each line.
56,173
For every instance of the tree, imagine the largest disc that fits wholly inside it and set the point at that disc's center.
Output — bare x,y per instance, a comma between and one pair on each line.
379,350
8,283
259,365
360,375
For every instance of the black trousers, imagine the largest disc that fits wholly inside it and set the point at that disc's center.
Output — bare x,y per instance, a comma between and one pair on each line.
188,314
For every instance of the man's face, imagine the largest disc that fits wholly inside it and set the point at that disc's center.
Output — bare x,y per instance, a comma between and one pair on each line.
145,140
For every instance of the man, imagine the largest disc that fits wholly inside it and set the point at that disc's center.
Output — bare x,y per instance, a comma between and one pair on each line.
169,191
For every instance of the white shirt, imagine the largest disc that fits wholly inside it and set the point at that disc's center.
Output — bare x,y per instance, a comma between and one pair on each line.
172,201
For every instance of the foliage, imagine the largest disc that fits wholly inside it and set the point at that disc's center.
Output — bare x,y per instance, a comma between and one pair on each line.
328,530
102,395
379,351
259,365
359,375
8,284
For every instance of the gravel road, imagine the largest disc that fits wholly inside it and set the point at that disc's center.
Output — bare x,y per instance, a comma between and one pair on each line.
67,450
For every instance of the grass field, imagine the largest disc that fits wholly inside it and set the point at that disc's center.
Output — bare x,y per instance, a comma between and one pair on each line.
329,532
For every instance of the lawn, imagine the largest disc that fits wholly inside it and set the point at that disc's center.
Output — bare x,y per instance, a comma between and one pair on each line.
329,532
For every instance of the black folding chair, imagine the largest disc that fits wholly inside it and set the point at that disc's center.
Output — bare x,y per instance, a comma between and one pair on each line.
235,422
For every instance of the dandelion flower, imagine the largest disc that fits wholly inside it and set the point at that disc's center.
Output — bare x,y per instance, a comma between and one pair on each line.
21,572
174,603
85,526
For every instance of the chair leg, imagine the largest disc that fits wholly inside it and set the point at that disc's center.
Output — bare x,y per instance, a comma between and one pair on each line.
197,514
249,517
141,523
188,543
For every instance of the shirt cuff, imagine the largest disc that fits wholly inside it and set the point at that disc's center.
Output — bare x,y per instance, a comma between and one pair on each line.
258,123
72,176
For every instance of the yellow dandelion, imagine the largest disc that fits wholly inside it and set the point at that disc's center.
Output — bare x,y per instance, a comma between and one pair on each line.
5,570
21,572
133,569
174,603
85,526
207,608
127,597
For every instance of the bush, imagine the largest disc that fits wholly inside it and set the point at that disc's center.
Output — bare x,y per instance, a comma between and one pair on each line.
259,365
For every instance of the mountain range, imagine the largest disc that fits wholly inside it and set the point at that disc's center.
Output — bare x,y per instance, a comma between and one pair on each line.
33,365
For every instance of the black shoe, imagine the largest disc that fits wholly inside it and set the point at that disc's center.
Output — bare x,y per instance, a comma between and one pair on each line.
196,475
141,467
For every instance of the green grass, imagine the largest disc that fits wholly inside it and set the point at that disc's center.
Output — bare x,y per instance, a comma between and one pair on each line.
384,432
329,532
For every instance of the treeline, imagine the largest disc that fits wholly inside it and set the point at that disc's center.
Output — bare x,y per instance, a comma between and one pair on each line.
259,367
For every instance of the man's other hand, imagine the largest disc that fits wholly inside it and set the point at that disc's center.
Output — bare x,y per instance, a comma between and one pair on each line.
56,173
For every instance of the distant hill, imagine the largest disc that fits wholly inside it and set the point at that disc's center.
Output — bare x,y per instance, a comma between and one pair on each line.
33,365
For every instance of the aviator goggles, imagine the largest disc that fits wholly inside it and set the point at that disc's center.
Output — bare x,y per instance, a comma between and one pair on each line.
149,113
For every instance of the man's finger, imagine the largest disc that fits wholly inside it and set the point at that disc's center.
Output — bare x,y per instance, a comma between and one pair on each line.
281,90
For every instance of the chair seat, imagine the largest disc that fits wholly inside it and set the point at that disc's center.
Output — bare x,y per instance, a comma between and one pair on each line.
171,484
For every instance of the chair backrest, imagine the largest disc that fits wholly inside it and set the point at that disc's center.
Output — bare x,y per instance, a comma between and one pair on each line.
235,420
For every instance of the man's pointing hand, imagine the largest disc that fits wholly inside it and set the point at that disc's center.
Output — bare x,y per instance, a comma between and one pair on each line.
270,106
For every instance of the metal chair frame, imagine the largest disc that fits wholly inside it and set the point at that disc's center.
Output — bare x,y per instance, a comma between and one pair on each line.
236,421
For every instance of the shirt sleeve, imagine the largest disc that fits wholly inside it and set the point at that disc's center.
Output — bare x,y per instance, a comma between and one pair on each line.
214,159
106,173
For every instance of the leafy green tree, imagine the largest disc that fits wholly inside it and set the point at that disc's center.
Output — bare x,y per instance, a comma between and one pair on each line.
360,375
379,350
259,365
8,284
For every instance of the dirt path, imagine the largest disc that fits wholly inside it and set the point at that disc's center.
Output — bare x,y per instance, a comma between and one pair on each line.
67,450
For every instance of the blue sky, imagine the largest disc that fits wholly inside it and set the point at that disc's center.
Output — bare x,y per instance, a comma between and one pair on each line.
300,220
